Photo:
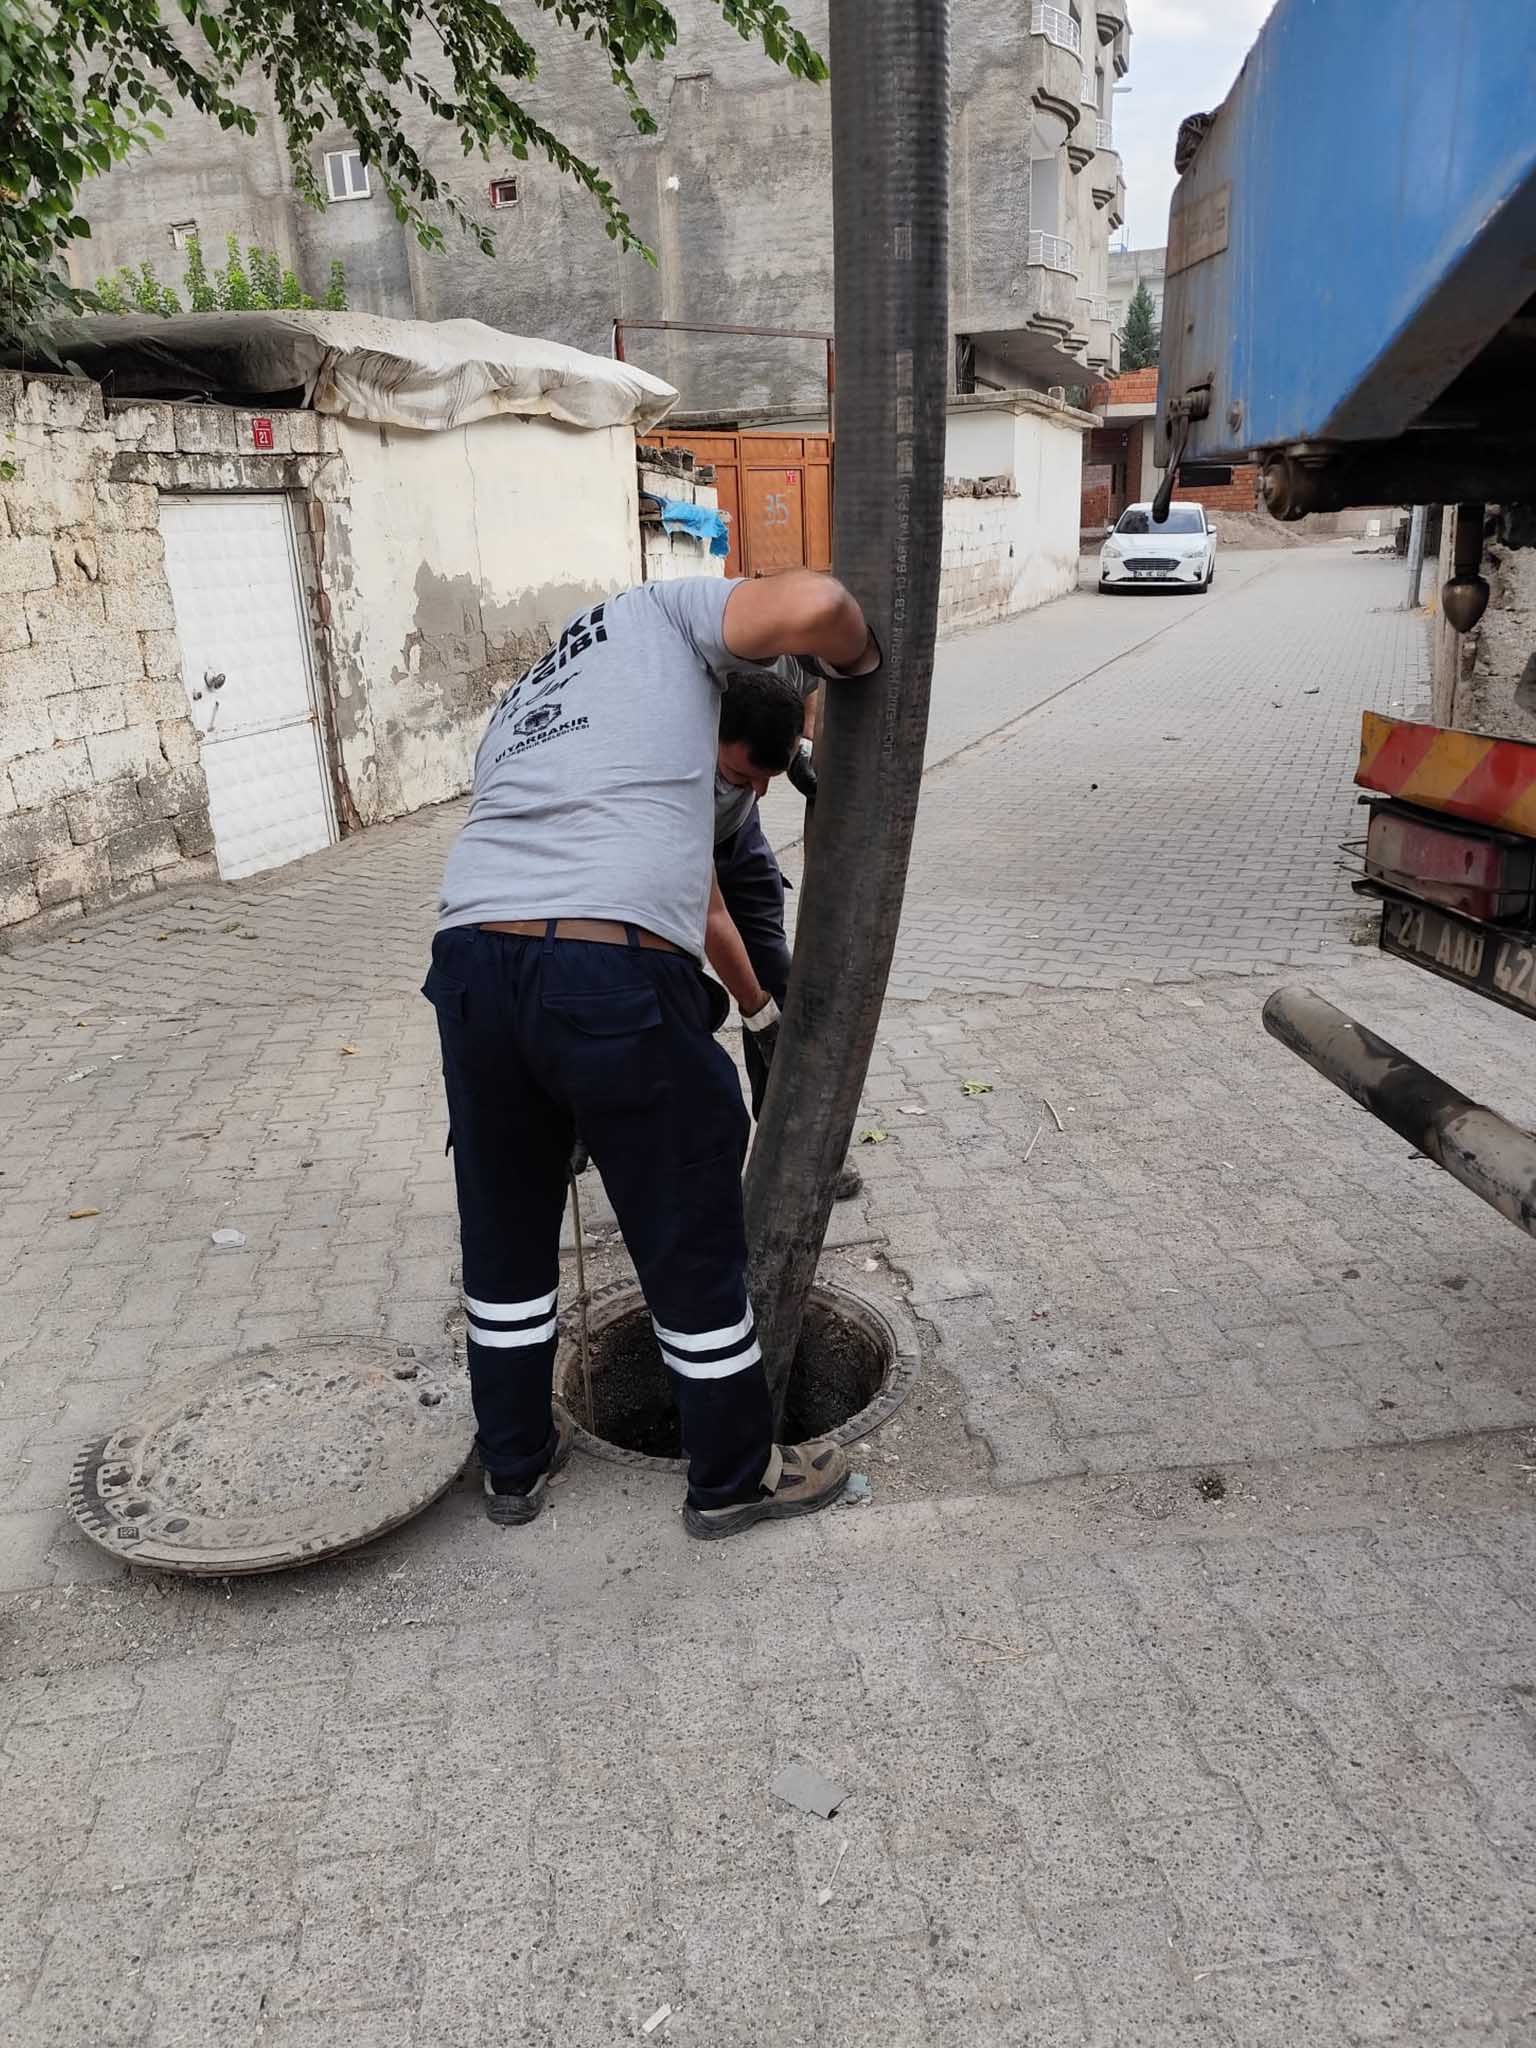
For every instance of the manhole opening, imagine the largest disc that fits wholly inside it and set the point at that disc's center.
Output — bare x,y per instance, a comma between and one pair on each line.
839,1369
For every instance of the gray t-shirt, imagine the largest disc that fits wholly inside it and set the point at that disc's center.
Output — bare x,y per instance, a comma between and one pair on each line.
733,805
595,783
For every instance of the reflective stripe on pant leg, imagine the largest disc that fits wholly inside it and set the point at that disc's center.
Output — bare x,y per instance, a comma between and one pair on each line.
660,1105
510,1145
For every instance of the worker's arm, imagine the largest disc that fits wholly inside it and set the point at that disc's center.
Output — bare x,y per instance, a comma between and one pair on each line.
804,613
727,954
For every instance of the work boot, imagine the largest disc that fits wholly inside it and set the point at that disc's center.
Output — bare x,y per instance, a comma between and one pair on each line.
801,1479
510,1507
849,1183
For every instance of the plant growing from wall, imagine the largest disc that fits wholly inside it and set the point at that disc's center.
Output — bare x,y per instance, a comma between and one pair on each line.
202,297
258,283
233,283
1140,342
85,83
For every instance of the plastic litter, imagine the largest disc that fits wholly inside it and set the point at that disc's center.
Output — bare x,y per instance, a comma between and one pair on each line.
857,1491
662,2012
800,1786
229,1240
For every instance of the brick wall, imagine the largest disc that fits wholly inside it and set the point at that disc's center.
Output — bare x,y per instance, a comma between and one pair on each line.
1131,387
101,794
1241,495
1098,489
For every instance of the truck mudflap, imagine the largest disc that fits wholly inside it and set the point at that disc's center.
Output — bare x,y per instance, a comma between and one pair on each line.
1475,1145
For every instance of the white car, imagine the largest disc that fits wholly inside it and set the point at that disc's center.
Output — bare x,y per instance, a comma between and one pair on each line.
1178,555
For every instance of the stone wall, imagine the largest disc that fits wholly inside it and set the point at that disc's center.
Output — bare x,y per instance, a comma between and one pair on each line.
671,555
1485,680
433,569
101,794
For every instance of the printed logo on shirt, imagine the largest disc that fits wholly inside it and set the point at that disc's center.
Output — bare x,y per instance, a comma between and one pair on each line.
530,707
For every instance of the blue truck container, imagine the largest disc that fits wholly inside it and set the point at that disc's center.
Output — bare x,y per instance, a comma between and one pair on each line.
1351,290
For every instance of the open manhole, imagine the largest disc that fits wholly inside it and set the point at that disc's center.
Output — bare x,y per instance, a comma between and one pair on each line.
278,1457
851,1372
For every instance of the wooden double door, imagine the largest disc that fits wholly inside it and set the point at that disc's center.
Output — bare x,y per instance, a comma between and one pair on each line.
775,491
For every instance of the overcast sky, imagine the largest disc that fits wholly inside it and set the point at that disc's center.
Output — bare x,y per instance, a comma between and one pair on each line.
1184,57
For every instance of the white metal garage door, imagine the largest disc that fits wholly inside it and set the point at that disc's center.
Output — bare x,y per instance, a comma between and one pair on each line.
245,655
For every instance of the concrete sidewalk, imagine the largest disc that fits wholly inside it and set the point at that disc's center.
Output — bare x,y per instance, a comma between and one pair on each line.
1180,1672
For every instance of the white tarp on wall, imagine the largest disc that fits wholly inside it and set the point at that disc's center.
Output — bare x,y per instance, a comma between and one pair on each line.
405,373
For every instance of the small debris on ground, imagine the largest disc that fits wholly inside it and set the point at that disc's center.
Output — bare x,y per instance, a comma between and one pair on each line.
229,1240
857,1491
871,1265
1055,1112
975,1087
874,1136
800,1786
349,1051
914,1108
78,1075
1211,1486
824,1896
1034,1141
660,2015
79,1215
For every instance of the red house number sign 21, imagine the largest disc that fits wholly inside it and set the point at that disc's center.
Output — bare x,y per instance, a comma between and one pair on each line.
261,433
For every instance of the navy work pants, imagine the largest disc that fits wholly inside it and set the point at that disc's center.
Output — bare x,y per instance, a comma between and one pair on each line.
752,886
540,1036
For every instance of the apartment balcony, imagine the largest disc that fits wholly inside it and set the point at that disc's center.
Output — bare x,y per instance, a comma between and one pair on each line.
1049,290
1051,252
1035,325
1058,25
1113,18
1058,51
1103,342
1115,212
1106,179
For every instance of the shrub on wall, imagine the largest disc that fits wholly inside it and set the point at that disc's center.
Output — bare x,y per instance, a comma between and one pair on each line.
259,283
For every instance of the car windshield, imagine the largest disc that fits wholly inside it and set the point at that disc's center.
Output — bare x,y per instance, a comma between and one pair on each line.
1181,519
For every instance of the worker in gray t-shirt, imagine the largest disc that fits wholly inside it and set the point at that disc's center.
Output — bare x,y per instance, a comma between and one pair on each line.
566,980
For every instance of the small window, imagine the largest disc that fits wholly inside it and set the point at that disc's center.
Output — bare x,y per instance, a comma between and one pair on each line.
504,192
182,232
346,175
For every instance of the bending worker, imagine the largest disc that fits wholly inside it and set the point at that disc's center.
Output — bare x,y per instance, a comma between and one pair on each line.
566,980
748,945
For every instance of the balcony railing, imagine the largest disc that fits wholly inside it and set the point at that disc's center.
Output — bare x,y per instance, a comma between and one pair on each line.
1105,134
1052,252
1057,26
1098,309
1090,89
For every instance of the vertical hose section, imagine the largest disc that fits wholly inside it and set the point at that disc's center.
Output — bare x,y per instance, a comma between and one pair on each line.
890,188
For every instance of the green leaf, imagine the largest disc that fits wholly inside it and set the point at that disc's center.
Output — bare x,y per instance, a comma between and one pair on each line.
975,1087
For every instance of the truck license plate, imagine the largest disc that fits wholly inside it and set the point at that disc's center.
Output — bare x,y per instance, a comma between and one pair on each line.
1503,969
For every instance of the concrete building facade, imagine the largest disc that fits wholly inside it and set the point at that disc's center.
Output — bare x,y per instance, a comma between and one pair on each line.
229,637
1127,269
733,193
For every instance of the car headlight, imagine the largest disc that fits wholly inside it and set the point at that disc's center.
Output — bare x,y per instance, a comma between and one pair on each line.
1113,551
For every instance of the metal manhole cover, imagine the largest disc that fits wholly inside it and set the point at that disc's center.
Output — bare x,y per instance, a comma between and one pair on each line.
279,1457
